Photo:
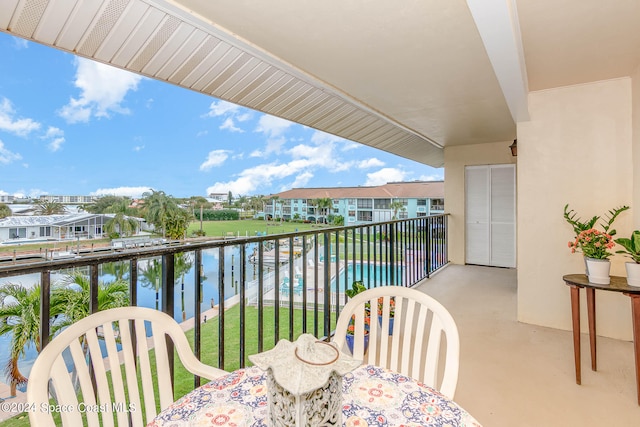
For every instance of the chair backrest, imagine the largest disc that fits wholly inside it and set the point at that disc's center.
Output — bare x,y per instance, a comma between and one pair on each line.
100,368
404,333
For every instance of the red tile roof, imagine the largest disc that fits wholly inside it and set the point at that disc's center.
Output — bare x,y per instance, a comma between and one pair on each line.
394,190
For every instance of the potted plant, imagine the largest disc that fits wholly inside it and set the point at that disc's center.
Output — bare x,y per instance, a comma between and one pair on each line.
632,250
351,329
356,288
594,244
392,312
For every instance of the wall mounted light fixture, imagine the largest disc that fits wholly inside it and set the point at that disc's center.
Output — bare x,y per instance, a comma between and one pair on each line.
514,148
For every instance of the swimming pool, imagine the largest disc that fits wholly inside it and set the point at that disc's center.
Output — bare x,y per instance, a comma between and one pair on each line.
371,274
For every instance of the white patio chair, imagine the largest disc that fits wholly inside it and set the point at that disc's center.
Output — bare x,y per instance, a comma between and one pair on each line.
85,346
412,345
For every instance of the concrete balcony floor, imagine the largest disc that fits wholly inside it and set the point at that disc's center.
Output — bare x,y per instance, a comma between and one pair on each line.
516,374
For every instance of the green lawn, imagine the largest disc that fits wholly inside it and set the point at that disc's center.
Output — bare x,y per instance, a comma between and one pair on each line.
184,379
249,227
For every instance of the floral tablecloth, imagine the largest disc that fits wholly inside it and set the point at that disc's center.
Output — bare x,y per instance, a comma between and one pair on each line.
372,396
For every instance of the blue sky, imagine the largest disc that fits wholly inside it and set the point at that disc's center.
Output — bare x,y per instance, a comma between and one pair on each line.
77,127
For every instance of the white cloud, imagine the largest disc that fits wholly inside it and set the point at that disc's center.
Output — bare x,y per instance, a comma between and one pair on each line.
350,145
433,177
53,132
370,163
252,179
138,148
274,145
222,108
56,137
7,156
385,175
20,43
20,127
322,155
272,126
231,112
320,137
56,144
215,158
122,191
230,125
300,181
102,91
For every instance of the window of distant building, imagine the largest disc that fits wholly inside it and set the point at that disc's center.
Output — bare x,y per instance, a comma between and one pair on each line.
365,216
336,201
437,204
381,203
421,214
45,231
405,202
365,203
351,201
18,232
352,213
422,202
403,215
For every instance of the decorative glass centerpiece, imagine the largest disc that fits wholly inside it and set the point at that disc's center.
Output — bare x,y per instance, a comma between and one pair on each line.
304,381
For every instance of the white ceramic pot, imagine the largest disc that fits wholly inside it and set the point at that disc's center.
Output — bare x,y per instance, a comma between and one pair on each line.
598,270
633,273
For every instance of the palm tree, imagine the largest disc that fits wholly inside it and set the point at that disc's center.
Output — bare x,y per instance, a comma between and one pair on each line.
118,269
255,203
176,222
324,204
75,300
105,203
49,208
121,223
156,206
5,210
274,203
20,316
396,205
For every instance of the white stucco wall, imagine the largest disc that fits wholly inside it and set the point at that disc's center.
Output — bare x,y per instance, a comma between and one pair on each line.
455,160
576,149
635,141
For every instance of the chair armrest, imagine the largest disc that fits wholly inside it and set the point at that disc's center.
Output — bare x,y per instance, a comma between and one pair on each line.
198,368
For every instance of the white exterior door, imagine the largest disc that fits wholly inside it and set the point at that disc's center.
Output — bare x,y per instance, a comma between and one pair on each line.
490,194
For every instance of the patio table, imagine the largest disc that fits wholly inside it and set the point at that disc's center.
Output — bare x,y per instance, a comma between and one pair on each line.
617,284
371,396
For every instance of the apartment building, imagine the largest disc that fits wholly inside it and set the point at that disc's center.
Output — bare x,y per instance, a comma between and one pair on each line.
67,199
360,205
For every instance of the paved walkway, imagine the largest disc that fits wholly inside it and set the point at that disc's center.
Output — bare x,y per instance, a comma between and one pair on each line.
10,402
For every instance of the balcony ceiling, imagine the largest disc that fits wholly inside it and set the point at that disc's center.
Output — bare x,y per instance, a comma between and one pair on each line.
409,78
